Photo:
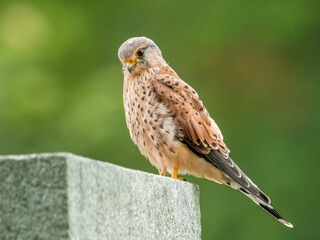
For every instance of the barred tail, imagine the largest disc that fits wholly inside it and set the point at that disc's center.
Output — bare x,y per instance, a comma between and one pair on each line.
268,208
274,213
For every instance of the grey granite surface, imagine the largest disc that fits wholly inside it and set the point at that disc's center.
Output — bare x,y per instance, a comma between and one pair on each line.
64,196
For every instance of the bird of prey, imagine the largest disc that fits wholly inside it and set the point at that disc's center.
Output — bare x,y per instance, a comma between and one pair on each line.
171,127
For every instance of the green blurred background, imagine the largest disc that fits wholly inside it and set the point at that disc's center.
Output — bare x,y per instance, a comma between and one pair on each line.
254,64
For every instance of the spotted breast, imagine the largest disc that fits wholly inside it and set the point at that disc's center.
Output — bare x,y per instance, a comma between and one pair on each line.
150,122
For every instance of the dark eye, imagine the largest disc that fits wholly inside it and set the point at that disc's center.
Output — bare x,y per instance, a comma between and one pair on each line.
140,53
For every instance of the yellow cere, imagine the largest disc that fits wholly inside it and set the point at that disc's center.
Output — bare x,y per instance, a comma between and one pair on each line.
130,62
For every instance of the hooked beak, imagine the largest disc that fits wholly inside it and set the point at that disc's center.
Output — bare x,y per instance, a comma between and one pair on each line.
130,65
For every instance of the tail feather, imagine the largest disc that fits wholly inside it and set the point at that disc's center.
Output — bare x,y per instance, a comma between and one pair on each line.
275,213
268,208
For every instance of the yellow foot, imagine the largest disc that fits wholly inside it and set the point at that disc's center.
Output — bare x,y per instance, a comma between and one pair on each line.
175,174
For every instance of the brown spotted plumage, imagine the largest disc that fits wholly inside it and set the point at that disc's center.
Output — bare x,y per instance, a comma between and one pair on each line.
170,125
196,126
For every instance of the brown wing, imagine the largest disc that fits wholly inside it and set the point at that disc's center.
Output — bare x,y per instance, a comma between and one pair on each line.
196,126
197,130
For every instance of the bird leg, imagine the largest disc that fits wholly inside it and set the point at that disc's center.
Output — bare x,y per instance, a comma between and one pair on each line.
175,173
163,171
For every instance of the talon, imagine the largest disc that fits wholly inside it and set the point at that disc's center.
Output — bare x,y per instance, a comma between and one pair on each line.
182,179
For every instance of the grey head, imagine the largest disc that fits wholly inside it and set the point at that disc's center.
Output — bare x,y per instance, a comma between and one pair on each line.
139,53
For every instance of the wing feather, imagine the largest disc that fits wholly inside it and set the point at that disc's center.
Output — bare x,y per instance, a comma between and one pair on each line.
199,129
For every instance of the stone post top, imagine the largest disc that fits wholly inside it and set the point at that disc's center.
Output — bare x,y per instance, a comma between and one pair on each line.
73,157
65,196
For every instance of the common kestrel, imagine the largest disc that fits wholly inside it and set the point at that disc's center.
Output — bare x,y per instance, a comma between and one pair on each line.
171,127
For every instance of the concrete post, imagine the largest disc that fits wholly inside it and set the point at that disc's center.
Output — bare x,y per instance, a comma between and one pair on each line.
64,196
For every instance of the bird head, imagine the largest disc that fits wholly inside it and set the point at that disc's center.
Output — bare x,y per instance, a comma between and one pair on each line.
139,53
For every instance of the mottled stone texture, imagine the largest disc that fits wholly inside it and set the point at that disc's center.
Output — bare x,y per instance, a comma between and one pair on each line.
63,196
